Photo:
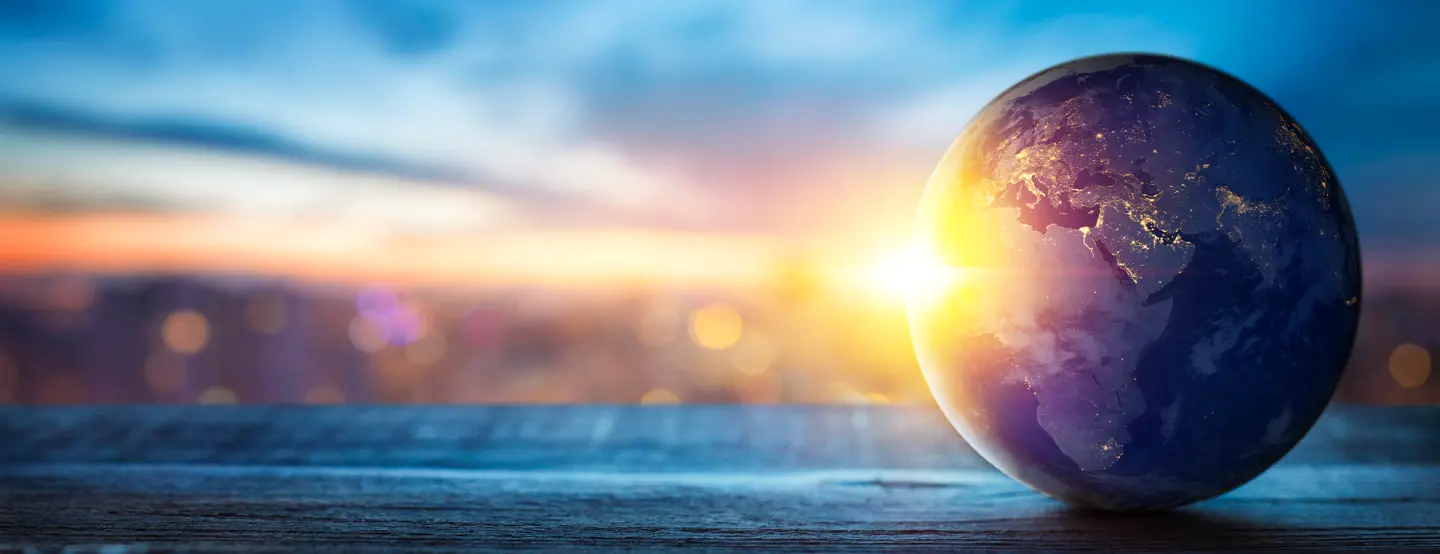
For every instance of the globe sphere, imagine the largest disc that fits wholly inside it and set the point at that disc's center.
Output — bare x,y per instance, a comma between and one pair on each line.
1152,282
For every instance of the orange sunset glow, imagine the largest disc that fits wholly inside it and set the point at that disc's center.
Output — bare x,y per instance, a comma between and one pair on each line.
125,243
346,253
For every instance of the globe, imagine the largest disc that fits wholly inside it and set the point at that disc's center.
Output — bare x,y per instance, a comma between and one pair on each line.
1151,282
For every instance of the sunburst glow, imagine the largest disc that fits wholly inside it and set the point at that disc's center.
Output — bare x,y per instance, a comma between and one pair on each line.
916,275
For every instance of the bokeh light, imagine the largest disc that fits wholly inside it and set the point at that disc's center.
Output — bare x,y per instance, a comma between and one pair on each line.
185,332
217,396
366,335
752,356
716,326
376,301
659,396
398,321
1410,365
404,325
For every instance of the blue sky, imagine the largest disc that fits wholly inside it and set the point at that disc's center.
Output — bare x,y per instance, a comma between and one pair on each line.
767,115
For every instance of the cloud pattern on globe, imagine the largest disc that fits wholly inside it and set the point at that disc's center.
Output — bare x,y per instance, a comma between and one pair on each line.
1157,282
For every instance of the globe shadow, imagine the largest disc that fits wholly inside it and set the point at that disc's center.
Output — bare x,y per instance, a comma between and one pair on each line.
1189,528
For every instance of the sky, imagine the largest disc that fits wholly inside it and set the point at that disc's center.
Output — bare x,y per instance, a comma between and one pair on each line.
764,117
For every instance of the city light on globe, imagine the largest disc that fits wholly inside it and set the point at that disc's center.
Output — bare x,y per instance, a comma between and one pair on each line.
1157,282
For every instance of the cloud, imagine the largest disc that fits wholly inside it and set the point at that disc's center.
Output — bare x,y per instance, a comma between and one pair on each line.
320,81
499,97
692,113
55,169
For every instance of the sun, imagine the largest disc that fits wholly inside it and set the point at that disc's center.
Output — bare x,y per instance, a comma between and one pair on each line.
914,275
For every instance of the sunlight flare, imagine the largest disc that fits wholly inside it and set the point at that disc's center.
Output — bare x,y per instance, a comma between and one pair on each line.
916,274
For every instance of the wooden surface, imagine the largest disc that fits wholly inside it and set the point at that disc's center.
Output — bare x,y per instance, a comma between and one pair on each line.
820,478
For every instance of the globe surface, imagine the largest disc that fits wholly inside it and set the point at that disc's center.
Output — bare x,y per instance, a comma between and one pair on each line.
1152,283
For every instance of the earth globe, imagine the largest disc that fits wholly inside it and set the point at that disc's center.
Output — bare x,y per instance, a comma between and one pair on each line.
1150,282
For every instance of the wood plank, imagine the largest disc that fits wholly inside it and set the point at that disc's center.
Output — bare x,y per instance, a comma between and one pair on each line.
359,508
654,438
608,477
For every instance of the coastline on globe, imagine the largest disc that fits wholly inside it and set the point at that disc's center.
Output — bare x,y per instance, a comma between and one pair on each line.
1152,282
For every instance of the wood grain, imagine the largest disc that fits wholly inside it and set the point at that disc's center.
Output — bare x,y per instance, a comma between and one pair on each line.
610,477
